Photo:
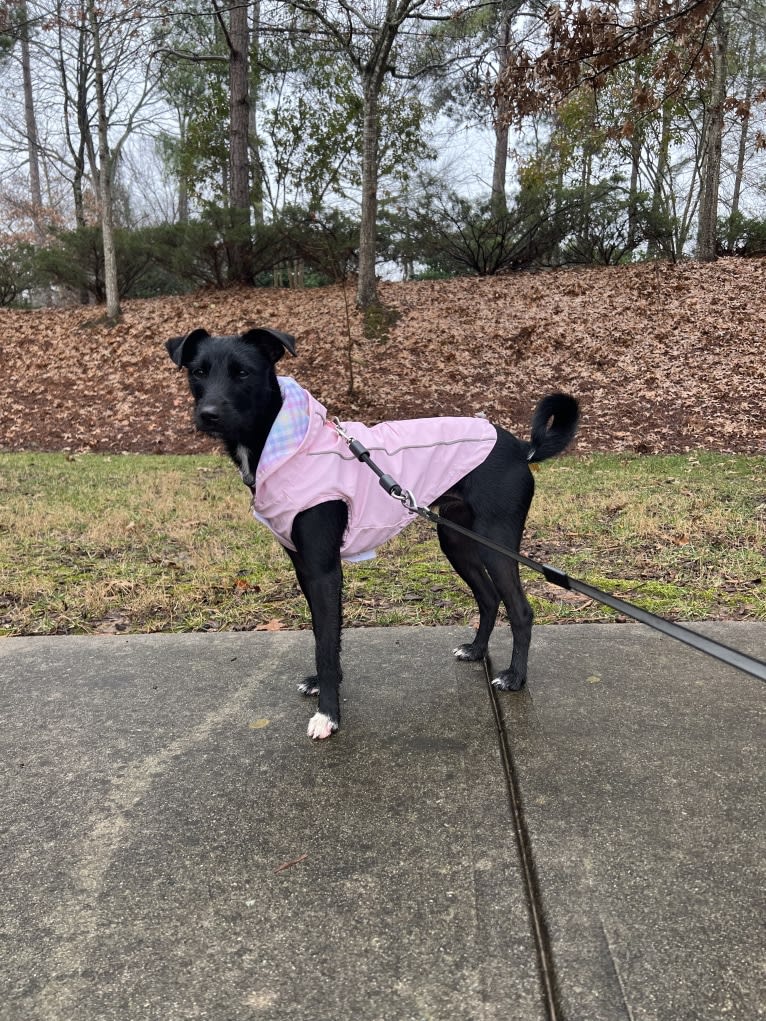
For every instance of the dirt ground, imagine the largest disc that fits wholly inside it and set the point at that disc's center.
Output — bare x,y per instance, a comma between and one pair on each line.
663,358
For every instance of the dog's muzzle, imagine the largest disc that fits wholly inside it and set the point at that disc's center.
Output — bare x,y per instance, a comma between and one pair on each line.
208,418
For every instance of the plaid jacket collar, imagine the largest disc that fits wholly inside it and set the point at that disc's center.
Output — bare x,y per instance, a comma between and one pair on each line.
289,428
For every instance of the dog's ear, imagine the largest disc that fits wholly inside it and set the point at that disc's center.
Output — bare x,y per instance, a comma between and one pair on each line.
273,343
182,349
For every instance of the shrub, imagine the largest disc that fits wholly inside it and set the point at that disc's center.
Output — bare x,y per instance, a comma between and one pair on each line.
175,258
458,235
74,259
326,241
16,271
741,235
604,232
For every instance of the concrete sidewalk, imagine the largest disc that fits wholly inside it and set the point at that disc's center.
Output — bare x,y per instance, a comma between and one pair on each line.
173,846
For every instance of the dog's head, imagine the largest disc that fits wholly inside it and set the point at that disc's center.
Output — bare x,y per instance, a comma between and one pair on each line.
233,382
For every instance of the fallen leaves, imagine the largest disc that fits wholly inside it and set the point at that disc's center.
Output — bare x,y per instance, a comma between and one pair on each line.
665,358
243,587
271,625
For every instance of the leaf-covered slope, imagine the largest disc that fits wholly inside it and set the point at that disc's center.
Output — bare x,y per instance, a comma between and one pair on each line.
663,358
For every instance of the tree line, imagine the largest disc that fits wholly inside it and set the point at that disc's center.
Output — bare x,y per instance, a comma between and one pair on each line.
150,146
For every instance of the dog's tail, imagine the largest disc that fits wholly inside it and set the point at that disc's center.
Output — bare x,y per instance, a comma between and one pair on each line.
554,425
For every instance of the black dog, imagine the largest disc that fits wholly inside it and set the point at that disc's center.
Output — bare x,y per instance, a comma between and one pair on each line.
238,398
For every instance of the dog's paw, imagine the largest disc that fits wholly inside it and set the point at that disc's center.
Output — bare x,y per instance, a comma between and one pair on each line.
505,681
320,727
468,653
309,687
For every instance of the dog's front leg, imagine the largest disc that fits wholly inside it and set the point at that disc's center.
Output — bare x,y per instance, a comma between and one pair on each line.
317,535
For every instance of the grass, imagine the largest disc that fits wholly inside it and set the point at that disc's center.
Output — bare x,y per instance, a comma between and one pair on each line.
138,544
683,536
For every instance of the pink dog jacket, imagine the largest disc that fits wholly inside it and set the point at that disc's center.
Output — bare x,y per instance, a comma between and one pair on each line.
305,463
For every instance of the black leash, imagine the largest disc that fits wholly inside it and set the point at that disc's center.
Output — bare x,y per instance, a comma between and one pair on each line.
724,653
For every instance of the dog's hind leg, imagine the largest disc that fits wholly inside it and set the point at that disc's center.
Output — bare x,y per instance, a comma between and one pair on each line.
317,534
465,558
505,576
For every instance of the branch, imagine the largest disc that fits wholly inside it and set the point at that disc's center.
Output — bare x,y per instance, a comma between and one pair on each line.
219,18
194,58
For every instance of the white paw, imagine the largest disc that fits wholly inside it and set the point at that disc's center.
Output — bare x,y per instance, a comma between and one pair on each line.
320,727
506,683
467,654
308,689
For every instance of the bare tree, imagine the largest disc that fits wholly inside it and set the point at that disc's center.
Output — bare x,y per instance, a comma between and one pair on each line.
30,121
367,33
86,88
236,30
15,29
712,136
105,170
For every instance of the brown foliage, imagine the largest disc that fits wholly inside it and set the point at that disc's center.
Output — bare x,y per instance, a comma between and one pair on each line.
664,358
584,41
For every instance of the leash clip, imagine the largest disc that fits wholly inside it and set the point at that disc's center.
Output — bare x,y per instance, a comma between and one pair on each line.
336,424
407,498
360,452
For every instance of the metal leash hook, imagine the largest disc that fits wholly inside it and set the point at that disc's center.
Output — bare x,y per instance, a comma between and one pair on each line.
338,427
407,497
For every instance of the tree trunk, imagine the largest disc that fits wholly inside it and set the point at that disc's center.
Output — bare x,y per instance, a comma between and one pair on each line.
255,65
743,132
183,199
183,178
105,173
660,171
585,186
35,191
83,147
84,150
367,285
498,198
78,155
372,73
636,147
239,154
711,147
636,144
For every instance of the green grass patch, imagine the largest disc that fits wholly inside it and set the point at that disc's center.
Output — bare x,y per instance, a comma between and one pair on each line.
95,544
682,536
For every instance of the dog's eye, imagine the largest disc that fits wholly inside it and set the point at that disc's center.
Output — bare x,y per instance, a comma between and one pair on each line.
242,373
198,373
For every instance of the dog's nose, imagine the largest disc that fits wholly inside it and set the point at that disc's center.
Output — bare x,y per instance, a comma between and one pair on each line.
208,415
